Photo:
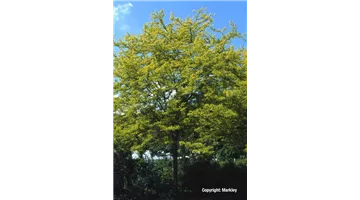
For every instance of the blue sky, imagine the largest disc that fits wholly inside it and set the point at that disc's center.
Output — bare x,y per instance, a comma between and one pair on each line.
131,16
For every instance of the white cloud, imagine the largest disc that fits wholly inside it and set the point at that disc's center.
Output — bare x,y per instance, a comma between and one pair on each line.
122,17
124,27
121,10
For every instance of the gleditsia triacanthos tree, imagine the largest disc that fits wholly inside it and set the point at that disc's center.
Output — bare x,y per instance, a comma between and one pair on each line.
180,85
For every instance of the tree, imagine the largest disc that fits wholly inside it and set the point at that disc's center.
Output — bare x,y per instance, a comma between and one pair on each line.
180,89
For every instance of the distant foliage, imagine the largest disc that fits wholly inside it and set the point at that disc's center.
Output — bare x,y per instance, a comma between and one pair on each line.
152,179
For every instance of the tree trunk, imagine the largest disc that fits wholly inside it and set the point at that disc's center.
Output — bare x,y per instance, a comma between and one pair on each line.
130,168
175,163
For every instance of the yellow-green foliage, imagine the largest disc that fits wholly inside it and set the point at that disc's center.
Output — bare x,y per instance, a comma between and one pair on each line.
182,77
